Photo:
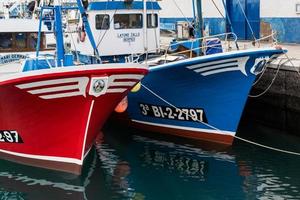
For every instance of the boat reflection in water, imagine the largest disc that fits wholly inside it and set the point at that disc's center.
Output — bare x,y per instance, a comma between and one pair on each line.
152,169
26,182
126,166
140,167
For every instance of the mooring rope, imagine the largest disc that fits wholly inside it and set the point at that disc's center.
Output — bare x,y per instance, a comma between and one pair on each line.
261,75
279,65
290,61
215,128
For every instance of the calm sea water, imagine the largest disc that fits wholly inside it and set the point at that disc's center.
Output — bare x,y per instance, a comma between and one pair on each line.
125,165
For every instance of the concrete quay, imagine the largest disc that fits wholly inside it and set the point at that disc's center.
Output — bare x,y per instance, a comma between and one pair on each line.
279,106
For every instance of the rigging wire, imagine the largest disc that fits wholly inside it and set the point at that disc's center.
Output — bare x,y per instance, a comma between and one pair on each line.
105,32
218,9
72,39
230,24
246,18
187,20
218,130
100,41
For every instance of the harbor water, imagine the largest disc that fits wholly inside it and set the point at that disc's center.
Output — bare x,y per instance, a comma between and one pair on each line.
126,164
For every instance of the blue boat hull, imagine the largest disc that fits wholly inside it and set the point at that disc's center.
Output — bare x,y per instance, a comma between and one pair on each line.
201,98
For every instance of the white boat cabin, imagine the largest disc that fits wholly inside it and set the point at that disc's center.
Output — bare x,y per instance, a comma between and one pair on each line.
19,37
119,28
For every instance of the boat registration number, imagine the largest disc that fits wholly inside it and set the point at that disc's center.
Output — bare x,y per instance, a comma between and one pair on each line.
10,137
167,112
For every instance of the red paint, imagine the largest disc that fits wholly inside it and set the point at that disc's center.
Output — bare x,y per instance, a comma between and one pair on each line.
209,137
55,127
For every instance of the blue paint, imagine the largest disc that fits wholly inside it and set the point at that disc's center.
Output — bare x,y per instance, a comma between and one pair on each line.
34,64
214,25
237,9
213,46
222,96
287,29
39,34
253,15
170,23
237,17
199,26
187,44
60,51
120,5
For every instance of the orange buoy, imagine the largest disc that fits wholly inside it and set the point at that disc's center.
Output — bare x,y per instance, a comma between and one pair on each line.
122,106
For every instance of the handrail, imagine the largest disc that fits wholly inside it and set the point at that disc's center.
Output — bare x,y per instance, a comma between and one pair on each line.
207,37
226,41
273,34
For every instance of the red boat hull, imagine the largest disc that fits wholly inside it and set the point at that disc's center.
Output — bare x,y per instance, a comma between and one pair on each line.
51,119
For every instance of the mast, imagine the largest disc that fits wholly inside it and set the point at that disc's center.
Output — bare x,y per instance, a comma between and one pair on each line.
199,27
60,51
145,26
88,28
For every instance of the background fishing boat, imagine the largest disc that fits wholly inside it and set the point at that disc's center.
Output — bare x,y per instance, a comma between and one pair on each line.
19,33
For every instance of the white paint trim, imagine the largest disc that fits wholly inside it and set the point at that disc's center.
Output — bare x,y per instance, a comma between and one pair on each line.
113,78
116,90
87,153
219,62
79,83
216,67
53,82
83,68
86,130
48,158
117,81
54,89
128,83
214,56
220,71
187,128
62,95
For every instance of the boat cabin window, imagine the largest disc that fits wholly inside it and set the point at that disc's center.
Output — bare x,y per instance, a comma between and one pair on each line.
128,21
152,21
102,22
6,41
20,42
33,37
